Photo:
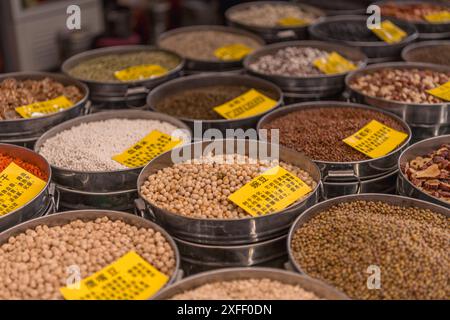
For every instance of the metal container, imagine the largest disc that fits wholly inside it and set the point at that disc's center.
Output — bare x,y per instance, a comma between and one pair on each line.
125,92
60,219
404,186
334,29
412,52
353,172
390,199
108,190
25,132
197,258
194,65
309,284
41,201
427,31
176,86
274,34
424,119
341,7
319,86
229,231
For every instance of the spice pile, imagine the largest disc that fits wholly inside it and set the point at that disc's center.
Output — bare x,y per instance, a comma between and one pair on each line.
16,93
431,173
6,160
290,61
249,289
403,85
103,68
413,12
270,15
34,263
199,103
318,132
201,45
408,244
91,146
437,54
200,188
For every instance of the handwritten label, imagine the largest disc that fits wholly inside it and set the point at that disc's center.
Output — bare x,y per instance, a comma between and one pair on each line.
334,63
235,51
145,150
246,105
129,278
270,192
145,71
375,139
17,188
442,92
40,109
292,22
438,17
389,32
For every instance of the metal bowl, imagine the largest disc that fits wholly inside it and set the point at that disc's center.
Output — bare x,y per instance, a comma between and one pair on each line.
102,182
427,31
341,7
376,50
41,200
345,171
306,216
413,114
273,34
319,85
319,288
210,66
104,91
409,53
60,219
17,129
173,87
404,186
229,231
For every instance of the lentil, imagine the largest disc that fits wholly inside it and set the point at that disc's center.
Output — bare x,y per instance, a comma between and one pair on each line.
248,289
290,61
200,45
34,263
404,85
318,132
6,160
199,103
200,188
103,68
269,14
408,244
437,54
91,146
414,12
431,172
16,93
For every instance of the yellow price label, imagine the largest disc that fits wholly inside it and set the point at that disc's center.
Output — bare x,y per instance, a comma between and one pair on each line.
40,109
145,150
129,278
334,63
375,139
246,105
272,191
145,71
438,17
235,51
442,92
389,32
17,188
292,22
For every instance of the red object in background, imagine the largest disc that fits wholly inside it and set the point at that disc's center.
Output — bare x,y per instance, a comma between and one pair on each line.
102,42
